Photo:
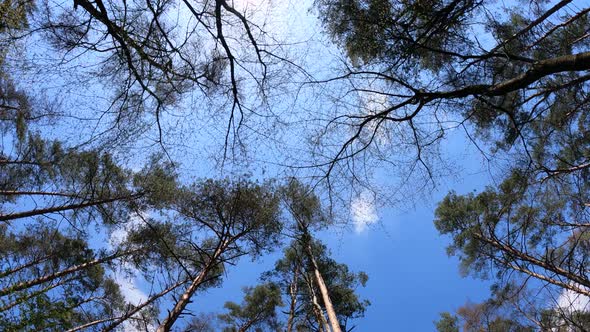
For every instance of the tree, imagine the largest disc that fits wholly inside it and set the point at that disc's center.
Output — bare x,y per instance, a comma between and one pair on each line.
153,54
232,220
306,211
50,196
257,311
534,229
295,275
420,69
201,228
447,323
71,190
514,78
40,289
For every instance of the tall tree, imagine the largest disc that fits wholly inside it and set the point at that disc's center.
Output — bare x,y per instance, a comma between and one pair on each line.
258,310
295,275
232,220
306,210
421,69
514,78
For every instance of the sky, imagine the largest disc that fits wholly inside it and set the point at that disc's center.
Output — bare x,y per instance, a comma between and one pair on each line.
411,278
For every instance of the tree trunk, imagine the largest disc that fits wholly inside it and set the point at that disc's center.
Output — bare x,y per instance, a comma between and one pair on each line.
317,309
34,294
184,300
36,193
525,257
322,322
130,313
6,273
324,291
293,294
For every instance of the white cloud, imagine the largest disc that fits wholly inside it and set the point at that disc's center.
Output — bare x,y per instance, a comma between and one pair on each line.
128,286
363,211
127,276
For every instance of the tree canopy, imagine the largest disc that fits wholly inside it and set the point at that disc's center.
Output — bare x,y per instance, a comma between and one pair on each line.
137,84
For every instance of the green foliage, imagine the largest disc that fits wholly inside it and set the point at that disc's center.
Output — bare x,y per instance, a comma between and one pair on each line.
158,181
295,269
517,223
398,31
447,323
58,303
13,14
303,205
242,210
15,107
531,226
258,310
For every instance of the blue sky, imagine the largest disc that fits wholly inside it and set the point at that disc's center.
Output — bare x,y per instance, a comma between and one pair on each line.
411,279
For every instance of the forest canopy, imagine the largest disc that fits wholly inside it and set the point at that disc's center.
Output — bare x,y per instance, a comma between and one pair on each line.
169,142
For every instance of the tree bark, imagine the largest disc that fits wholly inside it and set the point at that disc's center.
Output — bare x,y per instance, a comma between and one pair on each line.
317,309
32,295
184,300
6,273
36,193
23,162
525,257
324,292
130,313
540,69
293,294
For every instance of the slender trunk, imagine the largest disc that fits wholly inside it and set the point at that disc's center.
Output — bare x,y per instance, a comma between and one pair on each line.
36,212
293,294
27,284
249,324
184,300
90,324
246,326
322,322
323,291
128,314
570,286
523,256
132,312
317,309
